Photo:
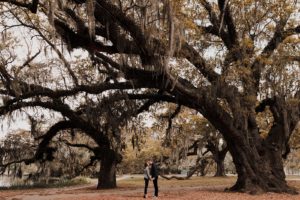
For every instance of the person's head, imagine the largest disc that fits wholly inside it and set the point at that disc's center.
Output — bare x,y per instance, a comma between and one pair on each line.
147,163
152,160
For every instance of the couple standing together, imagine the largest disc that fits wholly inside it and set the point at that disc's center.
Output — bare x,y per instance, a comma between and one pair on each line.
150,173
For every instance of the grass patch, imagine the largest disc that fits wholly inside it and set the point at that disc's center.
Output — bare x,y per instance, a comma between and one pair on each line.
192,182
62,182
195,181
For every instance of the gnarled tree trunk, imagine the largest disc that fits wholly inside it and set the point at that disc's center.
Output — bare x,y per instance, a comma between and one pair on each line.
107,174
258,173
259,160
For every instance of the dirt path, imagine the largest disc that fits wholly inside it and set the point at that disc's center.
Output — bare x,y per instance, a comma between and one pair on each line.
168,190
190,193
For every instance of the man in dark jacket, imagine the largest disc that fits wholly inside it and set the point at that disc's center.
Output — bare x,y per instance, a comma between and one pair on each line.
154,177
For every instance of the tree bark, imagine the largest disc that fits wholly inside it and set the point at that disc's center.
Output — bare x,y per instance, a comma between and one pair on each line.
220,168
203,164
218,156
259,159
107,174
259,171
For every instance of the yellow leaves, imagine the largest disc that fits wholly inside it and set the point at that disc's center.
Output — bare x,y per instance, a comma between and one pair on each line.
264,134
263,60
177,5
270,27
189,24
292,39
248,2
289,9
265,122
185,15
247,43
240,70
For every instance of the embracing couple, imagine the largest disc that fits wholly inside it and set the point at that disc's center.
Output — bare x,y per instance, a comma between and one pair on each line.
150,173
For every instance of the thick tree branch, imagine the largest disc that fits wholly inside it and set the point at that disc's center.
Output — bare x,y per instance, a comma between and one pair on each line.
30,6
227,17
78,145
188,176
31,90
148,103
279,36
76,40
65,110
194,57
153,97
212,15
263,104
5,165
79,40
46,139
110,10
217,28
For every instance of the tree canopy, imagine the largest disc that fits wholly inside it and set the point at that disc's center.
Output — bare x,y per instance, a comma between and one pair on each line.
229,60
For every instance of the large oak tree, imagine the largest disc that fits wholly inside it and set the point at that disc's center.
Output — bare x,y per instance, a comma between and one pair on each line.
233,57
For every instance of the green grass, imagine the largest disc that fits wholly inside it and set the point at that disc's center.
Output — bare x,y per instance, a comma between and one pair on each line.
21,184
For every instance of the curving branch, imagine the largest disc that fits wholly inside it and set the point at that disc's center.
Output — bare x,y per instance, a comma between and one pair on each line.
46,139
5,165
217,27
193,56
32,90
30,6
128,24
211,13
263,104
148,103
93,159
188,176
80,38
279,36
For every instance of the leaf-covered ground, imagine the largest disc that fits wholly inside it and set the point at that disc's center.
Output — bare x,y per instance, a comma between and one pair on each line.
207,188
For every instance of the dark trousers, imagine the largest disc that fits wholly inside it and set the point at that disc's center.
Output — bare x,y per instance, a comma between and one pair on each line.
155,186
146,185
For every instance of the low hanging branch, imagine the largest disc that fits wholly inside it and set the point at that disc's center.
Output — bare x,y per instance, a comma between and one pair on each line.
198,165
189,175
4,166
